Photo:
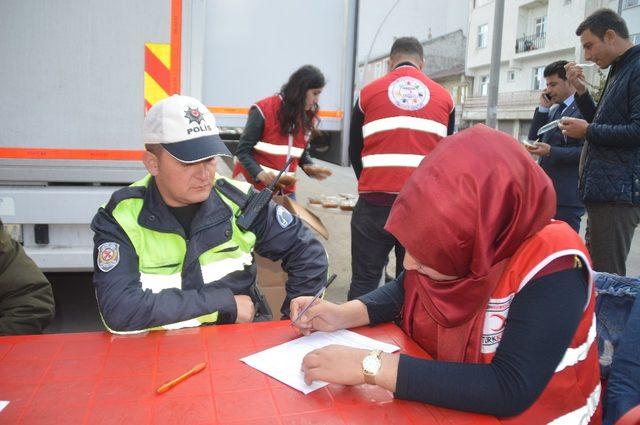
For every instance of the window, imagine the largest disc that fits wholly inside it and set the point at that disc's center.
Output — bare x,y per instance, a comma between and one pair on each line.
511,76
635,38
539,82
482,35
541,26
630,3
484,85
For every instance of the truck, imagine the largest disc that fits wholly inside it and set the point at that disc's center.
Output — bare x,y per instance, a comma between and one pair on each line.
78,76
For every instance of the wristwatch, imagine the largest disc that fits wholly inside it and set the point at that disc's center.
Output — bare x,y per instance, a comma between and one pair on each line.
371,365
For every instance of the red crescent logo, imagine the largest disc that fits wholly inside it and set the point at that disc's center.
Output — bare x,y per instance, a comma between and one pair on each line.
502,322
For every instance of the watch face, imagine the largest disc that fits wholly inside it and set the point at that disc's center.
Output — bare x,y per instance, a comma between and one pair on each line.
371,364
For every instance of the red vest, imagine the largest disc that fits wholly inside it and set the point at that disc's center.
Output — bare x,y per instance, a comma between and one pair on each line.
274,148
405,115
572,395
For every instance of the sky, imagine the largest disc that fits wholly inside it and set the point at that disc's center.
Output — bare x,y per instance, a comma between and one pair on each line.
408,18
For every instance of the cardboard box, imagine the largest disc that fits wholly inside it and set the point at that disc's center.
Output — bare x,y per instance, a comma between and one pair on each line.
271,277
312,220
271,281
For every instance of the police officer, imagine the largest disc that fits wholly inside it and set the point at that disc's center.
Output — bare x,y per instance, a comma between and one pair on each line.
398,120
169,253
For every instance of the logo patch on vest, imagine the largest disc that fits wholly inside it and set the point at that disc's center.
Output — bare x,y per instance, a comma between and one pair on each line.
495,319
108,256
283,216
409,93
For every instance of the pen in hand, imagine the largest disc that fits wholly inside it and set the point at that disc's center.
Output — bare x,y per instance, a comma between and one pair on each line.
315,297
167,386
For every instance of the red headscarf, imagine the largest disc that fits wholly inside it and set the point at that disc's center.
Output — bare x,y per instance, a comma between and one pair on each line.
465,210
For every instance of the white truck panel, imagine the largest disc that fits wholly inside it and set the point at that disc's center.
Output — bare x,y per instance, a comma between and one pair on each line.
73,78
72,74
252,46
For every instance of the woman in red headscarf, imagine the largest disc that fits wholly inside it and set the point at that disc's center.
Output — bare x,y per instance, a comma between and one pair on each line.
494,290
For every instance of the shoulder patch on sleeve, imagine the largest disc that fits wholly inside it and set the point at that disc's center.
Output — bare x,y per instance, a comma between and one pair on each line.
283,217
108,256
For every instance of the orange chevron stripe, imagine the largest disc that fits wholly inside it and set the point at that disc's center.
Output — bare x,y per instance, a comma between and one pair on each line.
176,45
157,70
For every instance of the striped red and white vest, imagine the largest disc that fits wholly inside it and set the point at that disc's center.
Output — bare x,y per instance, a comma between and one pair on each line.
573,394
405,115
274,148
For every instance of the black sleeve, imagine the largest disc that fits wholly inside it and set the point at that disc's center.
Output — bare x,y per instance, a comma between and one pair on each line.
624,134
282,236
385,303
539,119
250,136
452,122
542,321
586,105
305,158
125,306
356,141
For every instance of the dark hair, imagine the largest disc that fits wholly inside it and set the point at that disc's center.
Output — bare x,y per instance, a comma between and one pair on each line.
292,116
602,20
407,46
155,149
556,68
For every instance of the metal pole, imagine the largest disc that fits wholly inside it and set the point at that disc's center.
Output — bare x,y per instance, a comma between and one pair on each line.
352,8
494,74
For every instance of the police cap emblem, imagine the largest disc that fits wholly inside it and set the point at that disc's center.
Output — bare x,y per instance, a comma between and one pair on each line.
194,115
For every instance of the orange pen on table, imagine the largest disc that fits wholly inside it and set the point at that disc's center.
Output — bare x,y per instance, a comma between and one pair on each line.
167,386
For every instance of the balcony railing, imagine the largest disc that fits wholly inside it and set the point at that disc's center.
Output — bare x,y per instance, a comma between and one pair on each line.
530,42
507,99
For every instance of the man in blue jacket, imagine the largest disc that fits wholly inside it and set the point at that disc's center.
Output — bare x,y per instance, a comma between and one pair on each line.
610,161
559,155
168,249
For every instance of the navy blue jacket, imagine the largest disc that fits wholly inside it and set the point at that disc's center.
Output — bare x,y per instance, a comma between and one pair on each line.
611,170
125,306
561,165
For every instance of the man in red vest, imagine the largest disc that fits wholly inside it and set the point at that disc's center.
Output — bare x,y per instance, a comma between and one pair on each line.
397,121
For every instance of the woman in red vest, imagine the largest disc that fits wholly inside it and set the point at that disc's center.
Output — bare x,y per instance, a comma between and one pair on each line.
498,294
279,127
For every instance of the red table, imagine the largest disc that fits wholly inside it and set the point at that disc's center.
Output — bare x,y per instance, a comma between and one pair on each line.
99,378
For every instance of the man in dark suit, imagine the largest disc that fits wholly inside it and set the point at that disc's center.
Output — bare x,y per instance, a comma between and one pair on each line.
559,155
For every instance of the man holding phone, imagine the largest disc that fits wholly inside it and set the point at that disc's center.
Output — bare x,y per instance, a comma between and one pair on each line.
559,155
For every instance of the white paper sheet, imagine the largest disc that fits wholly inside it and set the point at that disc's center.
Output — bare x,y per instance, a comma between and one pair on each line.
283,361
3,404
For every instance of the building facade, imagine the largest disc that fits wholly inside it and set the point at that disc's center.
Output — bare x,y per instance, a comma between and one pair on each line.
535,33
630,12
